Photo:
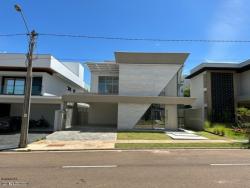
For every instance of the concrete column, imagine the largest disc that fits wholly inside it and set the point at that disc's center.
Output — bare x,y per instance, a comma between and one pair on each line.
74,120
171,121
64,109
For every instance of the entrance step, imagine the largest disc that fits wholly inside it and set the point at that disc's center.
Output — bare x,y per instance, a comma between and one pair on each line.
184,135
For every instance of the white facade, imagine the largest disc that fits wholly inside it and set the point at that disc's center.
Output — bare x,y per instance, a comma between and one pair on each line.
143,79
57,78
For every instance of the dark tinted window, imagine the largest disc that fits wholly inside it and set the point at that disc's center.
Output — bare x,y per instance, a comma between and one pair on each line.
37,86
222,97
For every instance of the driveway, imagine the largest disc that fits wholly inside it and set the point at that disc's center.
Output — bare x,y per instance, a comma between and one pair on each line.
76,140
11,140
82,136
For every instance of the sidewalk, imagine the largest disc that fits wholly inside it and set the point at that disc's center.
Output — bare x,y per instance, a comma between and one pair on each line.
57,145
48,145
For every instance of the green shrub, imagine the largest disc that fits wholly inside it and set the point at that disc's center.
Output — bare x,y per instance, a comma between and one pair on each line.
207,125
243,115
222,132
187,92
225,130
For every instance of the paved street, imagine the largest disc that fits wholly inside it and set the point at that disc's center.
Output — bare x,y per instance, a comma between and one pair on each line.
11,140
155,168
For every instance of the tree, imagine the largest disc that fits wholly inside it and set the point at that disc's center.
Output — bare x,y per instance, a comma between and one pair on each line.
186,92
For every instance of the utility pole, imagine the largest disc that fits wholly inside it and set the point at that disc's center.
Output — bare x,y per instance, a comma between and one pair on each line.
28,88
28,83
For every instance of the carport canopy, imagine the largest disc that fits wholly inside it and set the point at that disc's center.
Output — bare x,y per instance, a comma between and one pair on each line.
88,97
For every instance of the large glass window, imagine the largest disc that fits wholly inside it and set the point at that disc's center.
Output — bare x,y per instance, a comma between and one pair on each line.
153,118
108,84
19,86
16,85
13,86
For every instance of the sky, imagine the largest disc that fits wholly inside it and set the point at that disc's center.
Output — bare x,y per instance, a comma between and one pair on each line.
162,19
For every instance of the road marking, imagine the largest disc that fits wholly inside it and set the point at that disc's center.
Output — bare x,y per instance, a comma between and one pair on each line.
100,166
232,164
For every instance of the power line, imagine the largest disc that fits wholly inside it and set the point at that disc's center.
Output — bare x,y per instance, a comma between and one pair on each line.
144,39
131,39
13,35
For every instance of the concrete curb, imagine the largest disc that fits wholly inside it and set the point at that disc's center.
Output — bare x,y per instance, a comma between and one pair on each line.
120,150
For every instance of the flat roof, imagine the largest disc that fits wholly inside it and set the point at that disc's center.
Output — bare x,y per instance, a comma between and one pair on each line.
137,58
150,58
238,67
41,63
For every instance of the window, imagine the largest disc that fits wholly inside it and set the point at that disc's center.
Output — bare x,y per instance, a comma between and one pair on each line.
68,88
16,85
19,86
37,86
13,86
222,91
108,85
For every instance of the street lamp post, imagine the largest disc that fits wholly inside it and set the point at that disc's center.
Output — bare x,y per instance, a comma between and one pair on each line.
28,84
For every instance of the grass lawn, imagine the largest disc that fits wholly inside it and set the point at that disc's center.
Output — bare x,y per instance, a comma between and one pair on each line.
210,135
142,136
178,145
229,133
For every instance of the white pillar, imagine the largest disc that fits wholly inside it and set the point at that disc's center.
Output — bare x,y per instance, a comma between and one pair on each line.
171,121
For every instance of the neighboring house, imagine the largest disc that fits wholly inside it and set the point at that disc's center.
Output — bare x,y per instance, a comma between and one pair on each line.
134,88
51,79
219,89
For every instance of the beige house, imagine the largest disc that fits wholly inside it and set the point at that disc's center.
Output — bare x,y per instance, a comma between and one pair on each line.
219,89
137,87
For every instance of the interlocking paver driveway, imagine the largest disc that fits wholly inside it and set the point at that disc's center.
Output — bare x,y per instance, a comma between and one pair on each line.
82,136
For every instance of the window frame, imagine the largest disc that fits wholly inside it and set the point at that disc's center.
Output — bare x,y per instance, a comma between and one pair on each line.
15,78
5,78
108,85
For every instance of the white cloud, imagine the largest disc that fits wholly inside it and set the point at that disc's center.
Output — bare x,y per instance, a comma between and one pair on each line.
229,23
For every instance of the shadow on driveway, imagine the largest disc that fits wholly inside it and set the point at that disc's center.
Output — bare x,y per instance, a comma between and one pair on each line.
11,140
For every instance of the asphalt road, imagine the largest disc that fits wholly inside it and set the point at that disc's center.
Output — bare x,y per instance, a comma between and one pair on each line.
120,169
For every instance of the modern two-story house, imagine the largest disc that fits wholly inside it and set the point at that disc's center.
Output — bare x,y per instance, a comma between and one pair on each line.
137,89
219,88
51,79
